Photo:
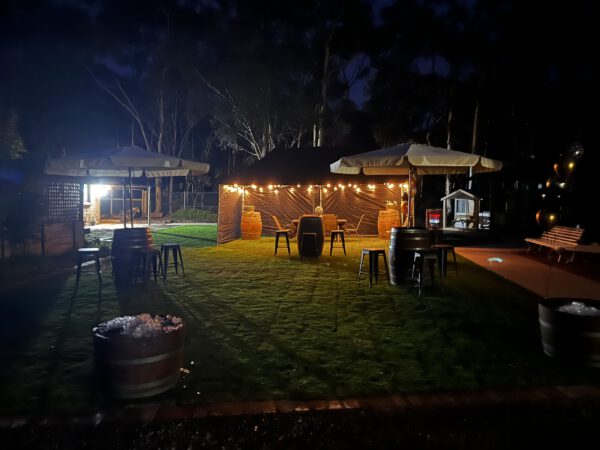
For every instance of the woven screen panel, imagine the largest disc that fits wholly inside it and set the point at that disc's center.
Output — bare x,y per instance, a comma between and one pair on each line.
62,200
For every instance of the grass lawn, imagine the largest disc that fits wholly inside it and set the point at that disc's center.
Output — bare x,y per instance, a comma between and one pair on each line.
264,327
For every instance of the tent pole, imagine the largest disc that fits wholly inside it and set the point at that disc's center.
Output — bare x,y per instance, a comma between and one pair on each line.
130,200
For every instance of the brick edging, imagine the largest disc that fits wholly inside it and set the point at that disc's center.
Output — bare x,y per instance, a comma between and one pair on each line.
577,395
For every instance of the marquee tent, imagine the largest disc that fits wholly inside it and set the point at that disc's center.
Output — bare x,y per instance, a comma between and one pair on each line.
290,182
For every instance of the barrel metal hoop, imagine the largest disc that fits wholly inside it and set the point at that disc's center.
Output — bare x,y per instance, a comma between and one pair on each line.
590,334
146,360
147,389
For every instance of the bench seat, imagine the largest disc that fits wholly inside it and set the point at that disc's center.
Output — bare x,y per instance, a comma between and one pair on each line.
558,239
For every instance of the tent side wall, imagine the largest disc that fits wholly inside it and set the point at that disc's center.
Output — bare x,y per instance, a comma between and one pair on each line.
291,202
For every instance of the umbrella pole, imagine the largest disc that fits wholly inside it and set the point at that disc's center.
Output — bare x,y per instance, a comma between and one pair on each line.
124,204
130,200
148,200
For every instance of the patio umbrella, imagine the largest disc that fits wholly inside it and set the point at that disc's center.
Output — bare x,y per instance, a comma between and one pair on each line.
123,162
414,159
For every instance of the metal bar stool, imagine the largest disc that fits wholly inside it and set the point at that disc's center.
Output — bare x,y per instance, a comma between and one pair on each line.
335,235
373,254
164,251
285,233
148,258
84,254
421,256
443,250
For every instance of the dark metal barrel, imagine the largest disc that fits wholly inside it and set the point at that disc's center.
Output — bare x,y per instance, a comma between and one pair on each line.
126,244
314,244
403,244
567,335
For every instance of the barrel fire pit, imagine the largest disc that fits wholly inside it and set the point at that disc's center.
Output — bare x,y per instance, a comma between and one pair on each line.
404,242
139,356
570,329
126,244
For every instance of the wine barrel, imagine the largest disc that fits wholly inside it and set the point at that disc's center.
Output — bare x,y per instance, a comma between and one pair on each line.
311,224
126,243
386,220
138,367
567,335
403,244
251,225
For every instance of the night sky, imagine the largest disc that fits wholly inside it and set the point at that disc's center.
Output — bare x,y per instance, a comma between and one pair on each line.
395,71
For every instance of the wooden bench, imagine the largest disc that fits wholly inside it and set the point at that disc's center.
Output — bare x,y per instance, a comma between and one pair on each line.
558,239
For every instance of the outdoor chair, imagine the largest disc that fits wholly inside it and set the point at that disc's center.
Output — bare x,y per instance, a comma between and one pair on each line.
354,229
280,231
330,223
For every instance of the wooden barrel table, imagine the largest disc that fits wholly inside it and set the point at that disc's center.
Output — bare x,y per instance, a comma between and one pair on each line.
126,243
404,242
310,227
386,220
251,225
138,367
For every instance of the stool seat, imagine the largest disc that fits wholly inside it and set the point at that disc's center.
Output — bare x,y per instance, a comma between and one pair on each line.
373,254
286,234
443,250
335,235
84,254
176,250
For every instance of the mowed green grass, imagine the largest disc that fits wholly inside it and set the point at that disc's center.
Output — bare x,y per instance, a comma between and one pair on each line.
265,327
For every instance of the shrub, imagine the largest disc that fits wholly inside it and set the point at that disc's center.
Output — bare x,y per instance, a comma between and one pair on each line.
194,215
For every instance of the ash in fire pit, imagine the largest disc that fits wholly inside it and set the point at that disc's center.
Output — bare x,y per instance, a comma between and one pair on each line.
142,325
579,308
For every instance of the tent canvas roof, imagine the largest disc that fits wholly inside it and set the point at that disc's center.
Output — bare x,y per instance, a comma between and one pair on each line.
301,166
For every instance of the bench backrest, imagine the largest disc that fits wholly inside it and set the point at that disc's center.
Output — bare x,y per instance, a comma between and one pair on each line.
564,236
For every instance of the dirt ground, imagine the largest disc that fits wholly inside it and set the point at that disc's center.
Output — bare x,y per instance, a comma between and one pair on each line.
531,427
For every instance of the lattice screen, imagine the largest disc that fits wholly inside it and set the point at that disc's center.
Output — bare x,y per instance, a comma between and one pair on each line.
63,198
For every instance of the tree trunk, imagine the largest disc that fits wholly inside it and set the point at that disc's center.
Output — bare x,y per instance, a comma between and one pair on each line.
170,196
158,203
474,141
448,146
324,84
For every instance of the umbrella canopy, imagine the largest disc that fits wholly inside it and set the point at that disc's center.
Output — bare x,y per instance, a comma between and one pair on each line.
123,162
423,159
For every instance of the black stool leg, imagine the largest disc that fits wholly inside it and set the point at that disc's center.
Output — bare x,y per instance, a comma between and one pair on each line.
432,270
154,268
343,243
287,241
165,262
360,267
276,242
387,273
181,259
175,259
78,269
372,265
455,265
331,244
